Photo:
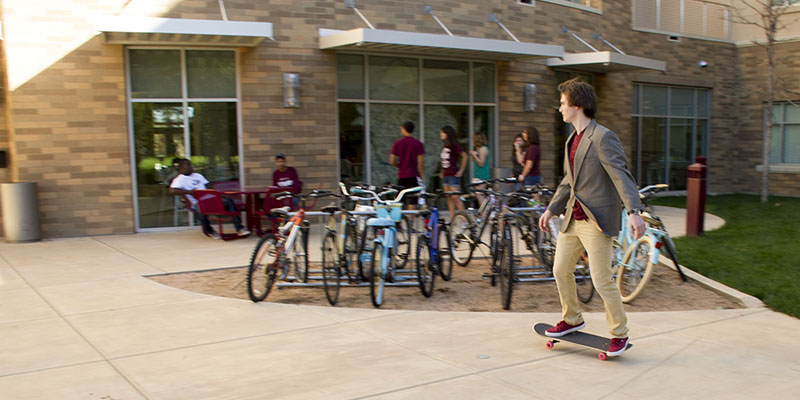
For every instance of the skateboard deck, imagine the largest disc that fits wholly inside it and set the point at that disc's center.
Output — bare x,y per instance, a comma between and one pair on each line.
581,338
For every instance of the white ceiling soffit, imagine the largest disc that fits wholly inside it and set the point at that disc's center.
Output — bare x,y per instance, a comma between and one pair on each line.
171,31
400,42
605,61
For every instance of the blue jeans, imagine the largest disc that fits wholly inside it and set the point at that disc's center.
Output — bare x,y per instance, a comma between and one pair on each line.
452,181
531,180
229,206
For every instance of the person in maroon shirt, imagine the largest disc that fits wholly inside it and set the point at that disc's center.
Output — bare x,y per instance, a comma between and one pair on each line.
530,172
286,177
591,194
407,156
454,161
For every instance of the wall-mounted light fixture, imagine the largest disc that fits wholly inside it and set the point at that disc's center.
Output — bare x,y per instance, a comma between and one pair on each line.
291,90
529,97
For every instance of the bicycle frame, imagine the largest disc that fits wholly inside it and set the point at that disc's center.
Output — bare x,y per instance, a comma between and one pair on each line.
432,233
625,240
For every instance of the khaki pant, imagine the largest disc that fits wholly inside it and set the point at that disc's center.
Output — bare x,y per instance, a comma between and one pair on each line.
570,245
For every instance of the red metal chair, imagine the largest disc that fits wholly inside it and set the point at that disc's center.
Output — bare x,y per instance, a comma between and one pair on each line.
267,205
231,186
210,204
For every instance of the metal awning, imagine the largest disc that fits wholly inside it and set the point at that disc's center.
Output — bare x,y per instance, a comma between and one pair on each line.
605,61
171,31
400,42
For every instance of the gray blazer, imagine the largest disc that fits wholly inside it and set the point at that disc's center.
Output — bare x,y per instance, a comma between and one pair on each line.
601,181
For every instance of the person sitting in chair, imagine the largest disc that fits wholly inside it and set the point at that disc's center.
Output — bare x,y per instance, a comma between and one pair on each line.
186,183
286,178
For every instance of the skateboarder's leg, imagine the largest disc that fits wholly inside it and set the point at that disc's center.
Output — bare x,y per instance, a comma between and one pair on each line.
598,247
568,250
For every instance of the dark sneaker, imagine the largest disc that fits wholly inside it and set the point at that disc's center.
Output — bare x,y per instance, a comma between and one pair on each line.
562,328
214,235
617,347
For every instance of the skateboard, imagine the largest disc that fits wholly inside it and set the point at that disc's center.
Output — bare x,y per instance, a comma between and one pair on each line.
583,339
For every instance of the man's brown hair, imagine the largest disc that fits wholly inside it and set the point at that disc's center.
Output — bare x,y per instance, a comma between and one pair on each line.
580,94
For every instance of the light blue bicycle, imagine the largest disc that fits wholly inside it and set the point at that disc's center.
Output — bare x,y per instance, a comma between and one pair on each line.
382,263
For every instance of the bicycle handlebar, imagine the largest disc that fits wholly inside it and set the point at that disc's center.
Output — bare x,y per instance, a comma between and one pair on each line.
377,197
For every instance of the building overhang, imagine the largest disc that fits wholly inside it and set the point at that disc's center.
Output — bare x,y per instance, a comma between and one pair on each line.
172,31
400,42
605,61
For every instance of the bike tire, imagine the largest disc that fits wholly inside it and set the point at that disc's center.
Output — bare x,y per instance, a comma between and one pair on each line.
583,279
546,248
507,270
444,253
462,238
260,277
366,243
403,249
300,255
351,252
377,278
330,268
635,269
426,273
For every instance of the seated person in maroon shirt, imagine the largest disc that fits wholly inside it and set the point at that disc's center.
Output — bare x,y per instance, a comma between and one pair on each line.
286,177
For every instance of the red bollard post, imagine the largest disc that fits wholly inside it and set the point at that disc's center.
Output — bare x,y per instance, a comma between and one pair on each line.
695,199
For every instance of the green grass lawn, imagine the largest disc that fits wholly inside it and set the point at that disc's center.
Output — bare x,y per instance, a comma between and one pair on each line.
756,252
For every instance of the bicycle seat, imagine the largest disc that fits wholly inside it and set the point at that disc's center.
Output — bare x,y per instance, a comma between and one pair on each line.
330,209
281,212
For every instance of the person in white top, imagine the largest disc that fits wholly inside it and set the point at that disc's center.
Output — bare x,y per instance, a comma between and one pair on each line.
187,182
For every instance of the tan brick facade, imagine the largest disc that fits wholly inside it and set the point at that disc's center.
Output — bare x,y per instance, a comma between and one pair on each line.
69,118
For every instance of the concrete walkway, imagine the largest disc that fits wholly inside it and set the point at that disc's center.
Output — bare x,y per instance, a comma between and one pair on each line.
78,321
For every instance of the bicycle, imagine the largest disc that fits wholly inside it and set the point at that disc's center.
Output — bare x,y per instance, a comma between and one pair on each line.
430,257
468,227
635,259
382,260
279,252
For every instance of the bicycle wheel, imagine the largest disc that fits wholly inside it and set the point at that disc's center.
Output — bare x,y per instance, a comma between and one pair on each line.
377,278
507,270
635,269
366,242
299,255
426,273
403,248
260,277
444,253
330,268
583,279
546,246
462,238
350,251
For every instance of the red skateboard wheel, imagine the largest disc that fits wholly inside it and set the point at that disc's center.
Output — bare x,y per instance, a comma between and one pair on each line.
550,345
602,356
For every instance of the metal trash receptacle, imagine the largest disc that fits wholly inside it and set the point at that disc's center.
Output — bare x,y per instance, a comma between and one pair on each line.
503,173
20,212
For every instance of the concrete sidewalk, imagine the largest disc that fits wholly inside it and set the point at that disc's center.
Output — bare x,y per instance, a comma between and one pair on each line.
78,321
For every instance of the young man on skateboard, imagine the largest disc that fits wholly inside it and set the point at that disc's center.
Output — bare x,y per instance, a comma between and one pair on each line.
596,182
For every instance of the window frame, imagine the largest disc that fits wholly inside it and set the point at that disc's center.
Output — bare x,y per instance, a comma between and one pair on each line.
184,100
782,124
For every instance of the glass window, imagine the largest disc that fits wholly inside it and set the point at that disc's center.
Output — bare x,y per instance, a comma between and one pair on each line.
653,162
215,152
785,140
702,103
351,142
682,102
654,100
385,121
445,80
791,144
483,82
393,78
791,114
155,73
350,75
211,74
437,117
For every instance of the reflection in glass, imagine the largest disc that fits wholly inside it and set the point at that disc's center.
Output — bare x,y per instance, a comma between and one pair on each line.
654,100
653,151
445,80
680,152
350,76
437,117
483,81
351,142
791,144
158,138
791,113
483,122
211,74
393,78
215,152
701,144
702,103
775,156
385,122
681,102
155,73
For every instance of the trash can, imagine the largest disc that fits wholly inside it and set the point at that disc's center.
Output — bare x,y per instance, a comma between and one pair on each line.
20,212
503,173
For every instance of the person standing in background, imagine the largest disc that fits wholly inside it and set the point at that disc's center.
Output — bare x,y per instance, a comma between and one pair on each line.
531,174
407,156
454,162
481,161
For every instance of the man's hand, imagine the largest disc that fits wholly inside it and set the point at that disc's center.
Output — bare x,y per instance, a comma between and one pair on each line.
637,225
544,221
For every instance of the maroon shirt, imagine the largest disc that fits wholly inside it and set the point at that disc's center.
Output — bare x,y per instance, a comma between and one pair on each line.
532,154
407,149
287,180
451,160
577,211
